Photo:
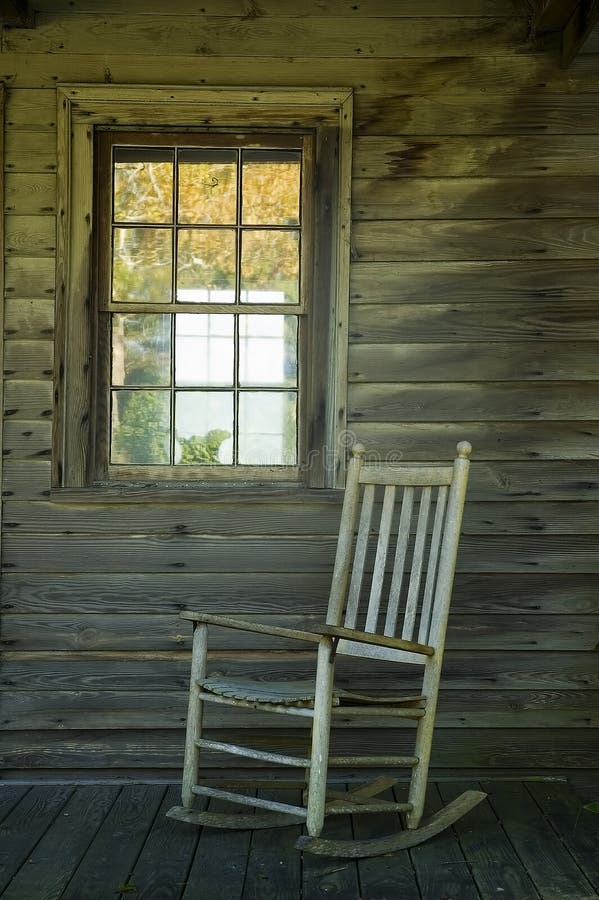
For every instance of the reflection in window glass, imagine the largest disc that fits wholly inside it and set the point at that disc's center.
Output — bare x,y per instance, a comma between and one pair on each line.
267,428
203,428
140,428
204,350
143,185
270,266
267,351
271,187
141,265
141,349
206,265
207,187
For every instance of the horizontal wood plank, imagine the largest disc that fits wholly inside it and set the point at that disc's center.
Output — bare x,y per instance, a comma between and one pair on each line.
515,517
27,194
27,440
30,151
473,198
388,241
454,748
574,442
64,553
400,8
30,236
437,76
26,278
482,362
157,709
526,113
28,399
493,401
30,110
37,632
479,281
169,670
27,480
28,360
478,156
438,322
272,36
293,592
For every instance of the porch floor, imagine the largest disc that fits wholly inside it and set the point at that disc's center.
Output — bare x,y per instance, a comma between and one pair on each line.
102,842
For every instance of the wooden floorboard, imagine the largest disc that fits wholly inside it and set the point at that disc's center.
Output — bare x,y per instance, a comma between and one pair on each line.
528,841
550,865
441,868
496,867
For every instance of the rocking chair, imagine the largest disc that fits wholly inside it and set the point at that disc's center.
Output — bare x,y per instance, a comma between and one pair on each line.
408,626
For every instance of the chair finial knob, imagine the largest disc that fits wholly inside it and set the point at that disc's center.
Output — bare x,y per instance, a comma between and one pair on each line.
464,449
358,450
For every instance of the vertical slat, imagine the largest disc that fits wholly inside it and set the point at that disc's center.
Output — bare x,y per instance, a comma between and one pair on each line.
403,536
417,563
378,575
431,573
353,600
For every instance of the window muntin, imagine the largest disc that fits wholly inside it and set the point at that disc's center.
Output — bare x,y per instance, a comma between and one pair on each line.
205,246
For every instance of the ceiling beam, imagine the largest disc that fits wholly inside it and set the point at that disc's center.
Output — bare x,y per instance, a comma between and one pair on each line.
16,13
578,28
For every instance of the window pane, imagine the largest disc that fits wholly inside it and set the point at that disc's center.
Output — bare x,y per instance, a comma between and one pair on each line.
141,265
204,427
143,185
140,428
206,266
208,187
271,187
270,267
141,350
204,349
268,351
267,428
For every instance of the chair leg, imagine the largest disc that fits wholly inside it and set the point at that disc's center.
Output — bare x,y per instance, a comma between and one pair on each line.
424,741
317,781
194,715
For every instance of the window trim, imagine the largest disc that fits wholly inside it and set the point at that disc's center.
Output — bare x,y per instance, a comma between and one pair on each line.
81,108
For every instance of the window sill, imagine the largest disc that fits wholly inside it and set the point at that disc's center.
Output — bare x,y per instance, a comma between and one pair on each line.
178,492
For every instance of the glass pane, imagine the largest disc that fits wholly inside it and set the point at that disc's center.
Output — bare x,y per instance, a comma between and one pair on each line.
203,428
143,185
206,266
140,428
270,267
141,350
204,349
208,187
268,428
271,187
141,265
268,351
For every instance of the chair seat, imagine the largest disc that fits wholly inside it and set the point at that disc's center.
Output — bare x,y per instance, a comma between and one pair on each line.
290,693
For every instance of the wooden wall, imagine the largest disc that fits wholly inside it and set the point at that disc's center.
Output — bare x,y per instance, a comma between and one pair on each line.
474,314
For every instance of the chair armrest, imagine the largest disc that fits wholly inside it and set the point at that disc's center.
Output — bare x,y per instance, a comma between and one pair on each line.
380,640
242,625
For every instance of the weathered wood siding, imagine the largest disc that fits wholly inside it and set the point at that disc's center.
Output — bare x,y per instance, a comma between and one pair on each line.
474,314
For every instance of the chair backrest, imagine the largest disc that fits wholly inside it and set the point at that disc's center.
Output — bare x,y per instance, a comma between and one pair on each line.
396,551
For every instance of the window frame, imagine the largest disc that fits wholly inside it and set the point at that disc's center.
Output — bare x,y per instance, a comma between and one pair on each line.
82,108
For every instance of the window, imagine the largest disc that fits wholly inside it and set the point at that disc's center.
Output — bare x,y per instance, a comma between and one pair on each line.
204,336
204,260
